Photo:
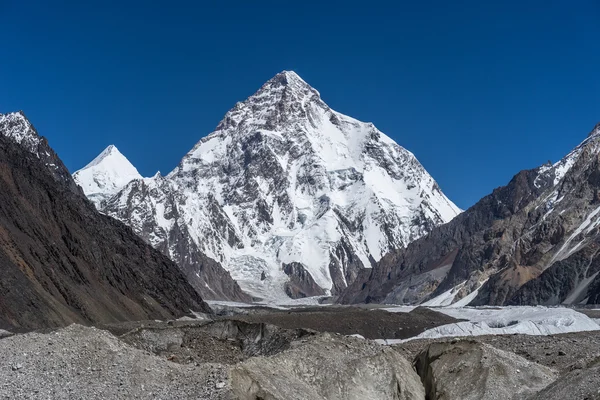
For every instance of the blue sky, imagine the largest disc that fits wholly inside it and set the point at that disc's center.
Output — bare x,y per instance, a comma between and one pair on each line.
477,90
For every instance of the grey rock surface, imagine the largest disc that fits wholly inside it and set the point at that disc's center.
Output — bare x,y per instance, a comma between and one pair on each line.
470,370
581,382
328,367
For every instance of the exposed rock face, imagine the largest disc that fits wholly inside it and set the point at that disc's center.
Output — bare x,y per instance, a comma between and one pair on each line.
328,367
469,370
301,283
61,261
533,241
286,180
226,341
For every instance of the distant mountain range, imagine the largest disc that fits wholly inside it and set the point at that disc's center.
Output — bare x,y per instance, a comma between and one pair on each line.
287,199
534,241
290,197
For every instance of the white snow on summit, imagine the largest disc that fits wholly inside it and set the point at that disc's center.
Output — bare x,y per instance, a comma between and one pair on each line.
105,175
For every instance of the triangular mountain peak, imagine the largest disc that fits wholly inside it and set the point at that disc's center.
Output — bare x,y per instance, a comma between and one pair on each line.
106,174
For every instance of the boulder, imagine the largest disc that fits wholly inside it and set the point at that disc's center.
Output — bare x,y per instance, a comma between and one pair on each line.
470,370
328,367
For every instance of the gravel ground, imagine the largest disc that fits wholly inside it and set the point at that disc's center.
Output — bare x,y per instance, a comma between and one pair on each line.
223,341
87,363
191,359
369,323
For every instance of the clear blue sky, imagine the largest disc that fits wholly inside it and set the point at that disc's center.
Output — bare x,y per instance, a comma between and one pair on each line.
478,91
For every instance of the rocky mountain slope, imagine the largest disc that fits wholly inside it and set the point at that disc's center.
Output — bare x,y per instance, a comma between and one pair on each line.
291,197
60,260
534,241
17,127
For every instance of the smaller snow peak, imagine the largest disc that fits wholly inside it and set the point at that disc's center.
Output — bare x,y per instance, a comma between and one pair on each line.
110,151
12,117
106,175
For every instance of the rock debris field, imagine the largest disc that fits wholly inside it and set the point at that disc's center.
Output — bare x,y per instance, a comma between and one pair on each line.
231,358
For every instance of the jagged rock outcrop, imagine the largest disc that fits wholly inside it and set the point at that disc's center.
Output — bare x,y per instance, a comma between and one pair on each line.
286,180
61,261
533,241
301,283
328,367
469,370
17,127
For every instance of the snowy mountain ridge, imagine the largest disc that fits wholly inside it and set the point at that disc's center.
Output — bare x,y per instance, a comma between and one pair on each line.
292,197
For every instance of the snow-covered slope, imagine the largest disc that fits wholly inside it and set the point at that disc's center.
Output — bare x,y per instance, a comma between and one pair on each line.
106,175
286,184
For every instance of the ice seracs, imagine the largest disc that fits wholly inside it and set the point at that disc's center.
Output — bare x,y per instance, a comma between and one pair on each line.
285,180
105,175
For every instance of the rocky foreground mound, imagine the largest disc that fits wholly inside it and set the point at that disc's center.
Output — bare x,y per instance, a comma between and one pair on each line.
232,359
329,367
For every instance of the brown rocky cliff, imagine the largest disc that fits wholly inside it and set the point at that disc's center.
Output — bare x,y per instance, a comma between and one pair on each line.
61,261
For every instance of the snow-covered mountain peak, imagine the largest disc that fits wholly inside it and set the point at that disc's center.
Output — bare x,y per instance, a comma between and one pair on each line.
290,80
110,152
17,127
557,171
287,186
286,98
106,174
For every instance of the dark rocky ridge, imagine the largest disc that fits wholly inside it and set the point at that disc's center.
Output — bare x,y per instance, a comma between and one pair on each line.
17,126
62,262
524,237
